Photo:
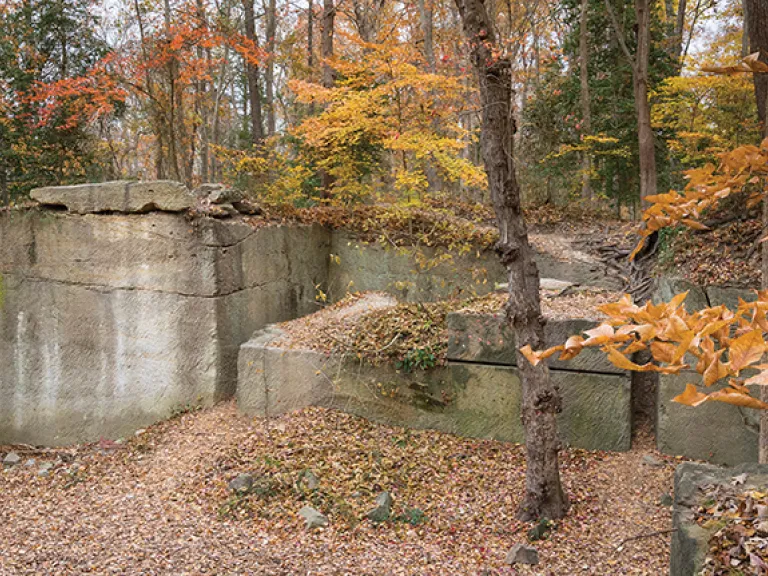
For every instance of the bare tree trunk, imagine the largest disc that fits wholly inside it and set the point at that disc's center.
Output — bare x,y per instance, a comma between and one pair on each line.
639,63
756,27
326,53
172,78
269,73
586,115
544,496
310,46
326,42
744,30
426,15
252,72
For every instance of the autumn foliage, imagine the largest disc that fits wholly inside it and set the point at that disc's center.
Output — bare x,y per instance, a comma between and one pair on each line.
719,344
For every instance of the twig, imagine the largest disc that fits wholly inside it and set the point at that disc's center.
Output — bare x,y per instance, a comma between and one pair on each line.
644,535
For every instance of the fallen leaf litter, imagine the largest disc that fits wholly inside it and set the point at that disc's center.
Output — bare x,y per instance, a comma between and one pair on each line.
160,503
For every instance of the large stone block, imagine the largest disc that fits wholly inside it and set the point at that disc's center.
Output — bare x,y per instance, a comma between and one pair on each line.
716,432
426,275
431,274
690,541
466,399
119,196
488,338
78,363
667,287
157,251
729,296
111,321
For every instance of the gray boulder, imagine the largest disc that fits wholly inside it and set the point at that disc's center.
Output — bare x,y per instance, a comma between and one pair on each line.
383,508
218,193
11,459
312,518
522,554
242,483
45,469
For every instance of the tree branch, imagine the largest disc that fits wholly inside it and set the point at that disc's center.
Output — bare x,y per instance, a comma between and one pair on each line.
620,35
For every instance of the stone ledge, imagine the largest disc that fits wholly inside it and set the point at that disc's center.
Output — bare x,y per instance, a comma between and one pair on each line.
488,338
475,400
118,196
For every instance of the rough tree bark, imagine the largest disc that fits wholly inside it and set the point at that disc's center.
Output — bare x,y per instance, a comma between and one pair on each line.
586,115
326,42
544,496
426,18
252,72
639,63
756,18
756,27
328,78
269,72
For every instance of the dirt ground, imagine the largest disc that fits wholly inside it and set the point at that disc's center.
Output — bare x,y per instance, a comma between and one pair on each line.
159,503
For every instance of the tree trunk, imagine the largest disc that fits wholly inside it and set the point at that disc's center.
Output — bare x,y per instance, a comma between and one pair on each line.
757,29
326,42
544,496
639,63
173,66
310,46
269,73
326,53
586,115
756,26
644,131
744,29
252,72
426,16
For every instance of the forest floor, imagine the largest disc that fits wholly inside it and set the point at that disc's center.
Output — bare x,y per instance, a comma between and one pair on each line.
159,503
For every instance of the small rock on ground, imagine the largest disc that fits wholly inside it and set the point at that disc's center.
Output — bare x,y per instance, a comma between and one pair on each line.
310,480
45,469
312,518
522,554
11,459
242,483
383,508
649,460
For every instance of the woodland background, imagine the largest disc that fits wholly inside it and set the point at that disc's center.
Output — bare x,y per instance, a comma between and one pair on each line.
361,100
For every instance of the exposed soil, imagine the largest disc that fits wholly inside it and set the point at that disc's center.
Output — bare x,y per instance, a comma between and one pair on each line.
160,504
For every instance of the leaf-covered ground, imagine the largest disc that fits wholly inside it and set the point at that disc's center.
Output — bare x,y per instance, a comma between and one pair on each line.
160,504
739,518
374,327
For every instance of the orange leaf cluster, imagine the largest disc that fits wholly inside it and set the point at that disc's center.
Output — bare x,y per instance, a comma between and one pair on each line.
741,170
720,344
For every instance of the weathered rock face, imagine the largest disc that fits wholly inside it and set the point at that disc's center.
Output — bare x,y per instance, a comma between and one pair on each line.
488,338
373,267
120,196
468,399
690,541
109,322
719,433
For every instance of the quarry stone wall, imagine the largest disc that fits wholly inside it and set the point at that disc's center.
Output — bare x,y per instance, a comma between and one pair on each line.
111,321
117,308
